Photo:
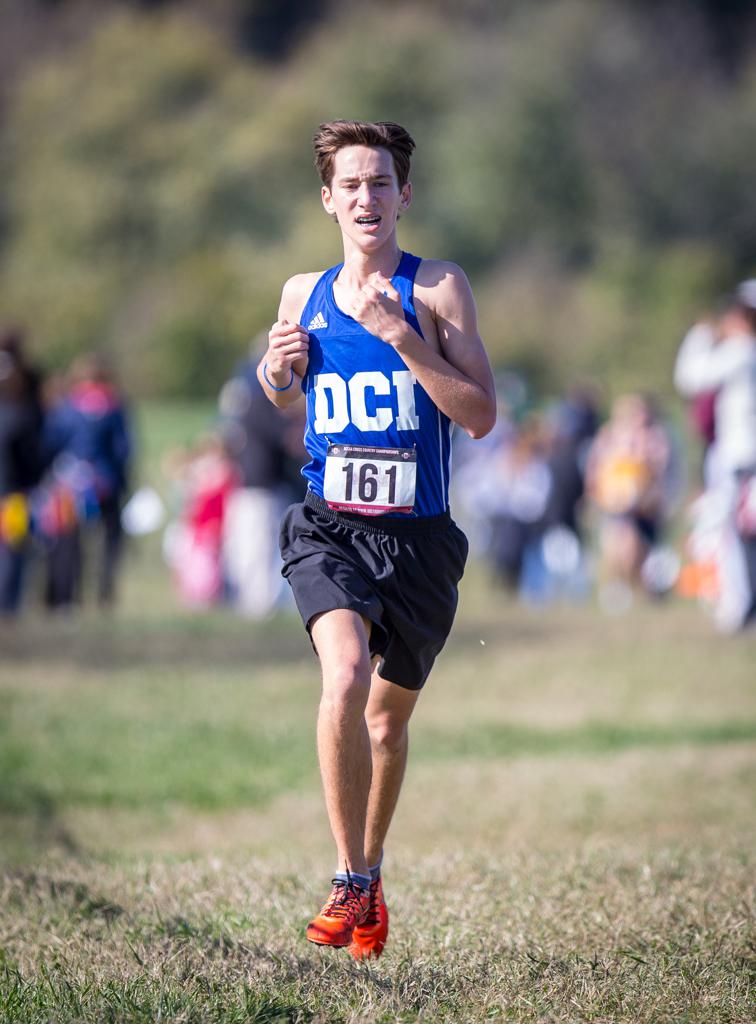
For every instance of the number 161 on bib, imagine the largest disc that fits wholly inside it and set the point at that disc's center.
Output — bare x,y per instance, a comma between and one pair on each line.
370,481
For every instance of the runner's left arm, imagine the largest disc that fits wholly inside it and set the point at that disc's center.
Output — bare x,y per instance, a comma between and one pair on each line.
459,378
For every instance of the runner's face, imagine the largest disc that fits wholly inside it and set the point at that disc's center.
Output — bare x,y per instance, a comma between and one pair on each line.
365,195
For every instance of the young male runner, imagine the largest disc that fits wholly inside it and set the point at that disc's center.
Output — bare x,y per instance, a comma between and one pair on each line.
386,349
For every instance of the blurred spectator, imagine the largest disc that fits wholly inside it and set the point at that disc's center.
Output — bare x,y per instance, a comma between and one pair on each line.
474,494
628,479
562,561
20,462
205,478
572,427
720,357
88,443
525,484
703,418
518,491
509,486
701,409
267,448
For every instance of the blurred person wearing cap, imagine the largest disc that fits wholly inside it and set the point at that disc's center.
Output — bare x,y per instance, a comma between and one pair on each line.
720,356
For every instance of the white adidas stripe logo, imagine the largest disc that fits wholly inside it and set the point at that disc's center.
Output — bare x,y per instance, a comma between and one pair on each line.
318,323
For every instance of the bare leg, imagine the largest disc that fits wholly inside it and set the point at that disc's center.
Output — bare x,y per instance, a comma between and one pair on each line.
388,711
341,640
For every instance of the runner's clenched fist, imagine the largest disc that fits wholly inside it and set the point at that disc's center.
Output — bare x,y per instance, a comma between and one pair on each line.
378,308
287,343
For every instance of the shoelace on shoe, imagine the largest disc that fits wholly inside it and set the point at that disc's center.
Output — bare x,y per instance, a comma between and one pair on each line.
345,899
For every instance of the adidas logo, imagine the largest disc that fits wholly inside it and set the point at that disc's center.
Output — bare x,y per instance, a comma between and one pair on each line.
318,323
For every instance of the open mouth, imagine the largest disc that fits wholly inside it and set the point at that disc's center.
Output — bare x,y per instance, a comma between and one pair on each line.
369,220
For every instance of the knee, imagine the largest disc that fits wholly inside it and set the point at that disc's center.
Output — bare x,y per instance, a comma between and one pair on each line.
346,689
387,733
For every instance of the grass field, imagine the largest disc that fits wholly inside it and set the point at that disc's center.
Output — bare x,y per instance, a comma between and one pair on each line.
574,842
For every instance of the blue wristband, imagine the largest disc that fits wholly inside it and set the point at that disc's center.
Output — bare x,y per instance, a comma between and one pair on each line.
270,383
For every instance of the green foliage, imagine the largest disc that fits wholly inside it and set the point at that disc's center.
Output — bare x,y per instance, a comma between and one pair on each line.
158,187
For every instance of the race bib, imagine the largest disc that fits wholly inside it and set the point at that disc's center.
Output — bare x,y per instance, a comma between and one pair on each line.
370,481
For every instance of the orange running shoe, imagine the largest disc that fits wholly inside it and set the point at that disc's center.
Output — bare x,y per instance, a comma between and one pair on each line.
346,907
370,936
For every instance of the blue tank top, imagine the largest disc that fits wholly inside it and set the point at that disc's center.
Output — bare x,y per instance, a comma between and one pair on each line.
384,406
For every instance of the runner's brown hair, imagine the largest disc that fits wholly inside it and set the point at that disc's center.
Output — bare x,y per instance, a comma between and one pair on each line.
334,135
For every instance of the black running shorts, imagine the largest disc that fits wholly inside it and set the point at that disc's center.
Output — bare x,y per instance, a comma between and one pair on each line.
401,574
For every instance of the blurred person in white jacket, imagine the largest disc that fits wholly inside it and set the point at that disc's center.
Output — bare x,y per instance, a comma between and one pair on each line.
721,356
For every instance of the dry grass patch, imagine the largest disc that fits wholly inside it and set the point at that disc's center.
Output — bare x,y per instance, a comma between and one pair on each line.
617,934
574,842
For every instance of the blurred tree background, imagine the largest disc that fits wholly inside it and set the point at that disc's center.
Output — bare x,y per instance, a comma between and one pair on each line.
589,162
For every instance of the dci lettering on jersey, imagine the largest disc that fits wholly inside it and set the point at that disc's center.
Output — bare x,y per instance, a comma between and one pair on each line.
366,401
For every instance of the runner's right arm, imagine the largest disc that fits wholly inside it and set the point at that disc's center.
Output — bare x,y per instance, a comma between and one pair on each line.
285,362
